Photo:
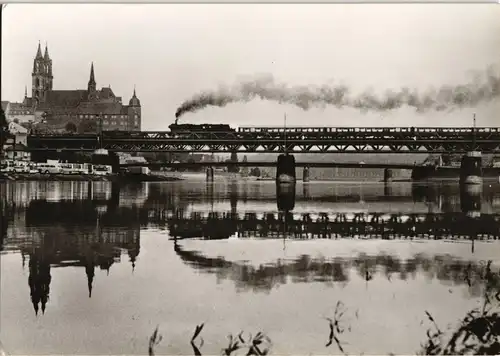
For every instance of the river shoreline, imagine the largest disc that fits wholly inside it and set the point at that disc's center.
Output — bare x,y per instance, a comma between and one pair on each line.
87,178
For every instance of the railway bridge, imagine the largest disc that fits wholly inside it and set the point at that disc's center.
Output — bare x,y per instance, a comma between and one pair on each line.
288,141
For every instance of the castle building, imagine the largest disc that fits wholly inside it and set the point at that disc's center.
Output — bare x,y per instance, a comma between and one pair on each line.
80,110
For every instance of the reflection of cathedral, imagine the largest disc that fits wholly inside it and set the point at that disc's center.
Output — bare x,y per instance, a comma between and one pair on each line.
39,281
73,234
61,248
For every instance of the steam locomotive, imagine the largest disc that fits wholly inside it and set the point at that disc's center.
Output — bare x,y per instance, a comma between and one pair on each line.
187,128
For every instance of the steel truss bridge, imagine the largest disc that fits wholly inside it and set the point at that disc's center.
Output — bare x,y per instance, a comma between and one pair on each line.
270,164
339,225
276,140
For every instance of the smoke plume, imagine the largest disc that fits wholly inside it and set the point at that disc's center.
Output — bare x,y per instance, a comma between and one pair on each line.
483,87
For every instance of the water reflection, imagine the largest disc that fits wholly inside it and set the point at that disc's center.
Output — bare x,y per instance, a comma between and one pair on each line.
72,242
89,233
441,211
285,196
251,238
469,223
90,225
306,269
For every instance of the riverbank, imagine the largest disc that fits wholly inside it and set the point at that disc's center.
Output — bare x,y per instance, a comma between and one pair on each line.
423,173
122,178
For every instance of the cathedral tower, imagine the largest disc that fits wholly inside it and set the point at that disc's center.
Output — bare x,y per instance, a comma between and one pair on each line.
41,76
134,113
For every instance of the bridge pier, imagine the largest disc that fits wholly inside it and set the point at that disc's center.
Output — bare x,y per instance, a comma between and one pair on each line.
470,199
305,175
388,175
285,197
306,191
470,168
470,204
115,197
285,169
210,174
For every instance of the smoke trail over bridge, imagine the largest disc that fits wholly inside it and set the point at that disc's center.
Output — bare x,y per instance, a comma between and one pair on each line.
483,87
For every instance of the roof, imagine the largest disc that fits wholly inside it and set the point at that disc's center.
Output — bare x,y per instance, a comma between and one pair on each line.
64,98
28,102
104,108
76,100
20,107
16,128
106,93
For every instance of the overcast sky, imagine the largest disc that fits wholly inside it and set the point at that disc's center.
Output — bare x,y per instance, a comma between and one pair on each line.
171,52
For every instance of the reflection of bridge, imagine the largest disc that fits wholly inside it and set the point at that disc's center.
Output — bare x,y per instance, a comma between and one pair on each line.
339,225
298,139
337,270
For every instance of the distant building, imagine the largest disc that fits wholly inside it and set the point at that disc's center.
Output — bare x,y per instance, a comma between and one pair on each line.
14,146
20,133
80,110
18,112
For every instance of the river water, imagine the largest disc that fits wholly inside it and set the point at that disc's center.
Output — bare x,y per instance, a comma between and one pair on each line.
93,268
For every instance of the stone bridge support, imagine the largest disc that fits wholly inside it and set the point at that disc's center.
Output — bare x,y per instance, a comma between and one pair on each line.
471,168
210,174
306,191
470,204
470,199
285,169
115,196
305,175
388,173
285,197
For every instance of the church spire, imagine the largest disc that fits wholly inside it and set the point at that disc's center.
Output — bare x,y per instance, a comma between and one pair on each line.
92,84
46,55
92,77
39,51
134,101
25,91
